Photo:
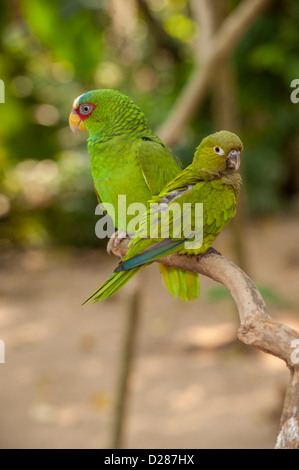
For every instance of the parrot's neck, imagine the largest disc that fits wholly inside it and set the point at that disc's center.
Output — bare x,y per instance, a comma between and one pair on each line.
232,178
102,137
107,130
229,177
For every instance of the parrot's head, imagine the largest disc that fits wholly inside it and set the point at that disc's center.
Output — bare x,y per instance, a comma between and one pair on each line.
104,113
219,152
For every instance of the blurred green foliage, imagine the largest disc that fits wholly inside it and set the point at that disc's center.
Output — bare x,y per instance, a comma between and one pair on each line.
51,52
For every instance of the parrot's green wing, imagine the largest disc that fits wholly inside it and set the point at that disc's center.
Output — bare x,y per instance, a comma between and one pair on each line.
97,194
219,202
176,191
153,155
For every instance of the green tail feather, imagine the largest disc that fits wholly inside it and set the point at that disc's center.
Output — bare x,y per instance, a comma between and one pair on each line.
171,279
193,286
180,283
112,285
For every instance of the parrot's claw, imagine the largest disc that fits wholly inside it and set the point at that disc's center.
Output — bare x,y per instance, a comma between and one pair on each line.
115,241
210,251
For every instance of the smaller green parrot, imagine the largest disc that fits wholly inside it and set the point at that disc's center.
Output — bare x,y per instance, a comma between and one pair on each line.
213,180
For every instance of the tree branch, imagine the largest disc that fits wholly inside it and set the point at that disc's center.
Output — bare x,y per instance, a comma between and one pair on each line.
222,44
257,328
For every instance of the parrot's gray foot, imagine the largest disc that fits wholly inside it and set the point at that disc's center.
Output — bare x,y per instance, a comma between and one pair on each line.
210,251
115,240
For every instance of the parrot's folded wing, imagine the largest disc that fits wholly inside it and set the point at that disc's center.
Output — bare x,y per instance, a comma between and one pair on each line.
156,163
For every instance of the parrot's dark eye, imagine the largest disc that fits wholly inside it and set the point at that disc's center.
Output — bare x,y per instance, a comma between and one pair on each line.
219,150
85,108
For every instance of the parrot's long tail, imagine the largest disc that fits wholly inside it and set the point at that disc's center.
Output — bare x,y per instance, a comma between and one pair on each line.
112,285
180,283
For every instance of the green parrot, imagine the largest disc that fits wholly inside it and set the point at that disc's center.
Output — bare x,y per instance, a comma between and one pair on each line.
127,158
213,180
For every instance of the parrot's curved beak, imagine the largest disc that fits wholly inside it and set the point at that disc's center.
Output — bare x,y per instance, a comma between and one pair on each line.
233,160
76,123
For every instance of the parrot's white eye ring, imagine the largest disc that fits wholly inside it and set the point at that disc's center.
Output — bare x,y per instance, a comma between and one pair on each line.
219,150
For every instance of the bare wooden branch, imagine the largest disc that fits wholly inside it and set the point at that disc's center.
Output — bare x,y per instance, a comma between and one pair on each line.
222,44
257,328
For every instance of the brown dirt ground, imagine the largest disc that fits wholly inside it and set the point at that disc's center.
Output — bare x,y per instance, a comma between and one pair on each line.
194,384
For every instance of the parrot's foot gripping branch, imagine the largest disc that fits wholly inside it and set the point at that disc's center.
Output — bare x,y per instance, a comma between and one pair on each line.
210,251
115,240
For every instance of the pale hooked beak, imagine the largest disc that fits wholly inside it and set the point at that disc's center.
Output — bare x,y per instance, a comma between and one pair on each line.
233,160
76,123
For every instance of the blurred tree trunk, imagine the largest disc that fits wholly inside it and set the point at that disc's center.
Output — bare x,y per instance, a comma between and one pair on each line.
225,116
128,348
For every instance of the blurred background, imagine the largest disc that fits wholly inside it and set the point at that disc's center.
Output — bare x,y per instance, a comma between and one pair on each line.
191,376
